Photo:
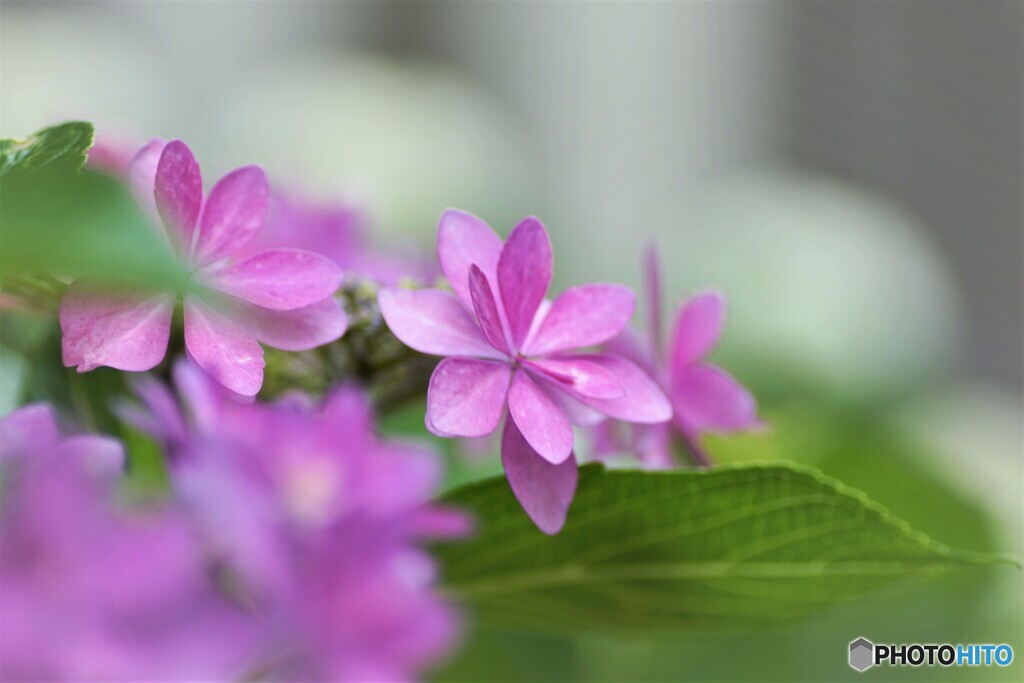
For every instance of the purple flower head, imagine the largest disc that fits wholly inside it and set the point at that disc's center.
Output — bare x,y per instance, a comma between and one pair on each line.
280,297
319,523
338,231
509,349
705,398
91,589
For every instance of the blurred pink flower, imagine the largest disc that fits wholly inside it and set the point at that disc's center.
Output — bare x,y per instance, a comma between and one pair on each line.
339,232
280,297
319,521
705,398
91,589
506,345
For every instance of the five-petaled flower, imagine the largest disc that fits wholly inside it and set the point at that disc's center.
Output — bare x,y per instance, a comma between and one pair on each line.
280,297
507,345
705,398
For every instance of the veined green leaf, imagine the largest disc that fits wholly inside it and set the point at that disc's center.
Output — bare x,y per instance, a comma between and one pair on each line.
733,547
58,148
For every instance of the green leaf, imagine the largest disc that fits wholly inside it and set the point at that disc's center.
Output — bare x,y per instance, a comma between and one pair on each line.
735,547
58,148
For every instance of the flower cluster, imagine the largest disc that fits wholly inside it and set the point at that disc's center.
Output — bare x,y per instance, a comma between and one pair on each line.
291,548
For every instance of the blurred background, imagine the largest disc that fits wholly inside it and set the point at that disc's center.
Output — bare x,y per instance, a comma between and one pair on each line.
851,174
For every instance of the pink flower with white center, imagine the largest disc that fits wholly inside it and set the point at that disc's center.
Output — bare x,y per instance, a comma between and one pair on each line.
280,297
506,345
705,398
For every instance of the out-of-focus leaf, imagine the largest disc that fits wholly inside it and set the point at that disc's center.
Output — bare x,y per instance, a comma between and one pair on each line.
730,548
59,148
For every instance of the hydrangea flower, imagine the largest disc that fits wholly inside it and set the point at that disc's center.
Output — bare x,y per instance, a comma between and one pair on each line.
280,297
510,350
338,231
320,522
91,589
705,398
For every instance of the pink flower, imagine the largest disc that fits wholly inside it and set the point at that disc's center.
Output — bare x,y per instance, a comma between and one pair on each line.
280,297
506,345
705,398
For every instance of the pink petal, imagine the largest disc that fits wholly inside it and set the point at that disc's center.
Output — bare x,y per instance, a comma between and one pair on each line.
544,426
697,329
178,189
583,316
282,279
100,455
486,309
118,329
300,329
466,397
434,322
29,429
707,398
643,402
579,374
235,211
462,240
578,414
228,353
141,175
544,490
524,274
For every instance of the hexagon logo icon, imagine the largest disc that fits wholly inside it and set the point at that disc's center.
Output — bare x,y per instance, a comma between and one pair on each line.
862,654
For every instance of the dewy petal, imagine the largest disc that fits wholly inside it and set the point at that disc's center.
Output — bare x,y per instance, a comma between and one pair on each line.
707,398
178,189
544,490
583,316
118,329
434,322
466,397
141,175
486,309
300,329
697,329
643,402
579,374
543,425
228,353
235,211
282,279
524,274
462,240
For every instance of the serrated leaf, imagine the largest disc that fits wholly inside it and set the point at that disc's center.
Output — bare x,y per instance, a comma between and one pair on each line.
58,148
734,547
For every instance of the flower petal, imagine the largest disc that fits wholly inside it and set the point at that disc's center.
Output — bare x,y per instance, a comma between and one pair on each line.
524,274
101,455
466,397
579,374
141,175
707,398
697,329
118,329
282,279
486,309
542,424
222,348
299,329
29,429
583,316
544,490
178,190
235,211
643,401
462,240
434,322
